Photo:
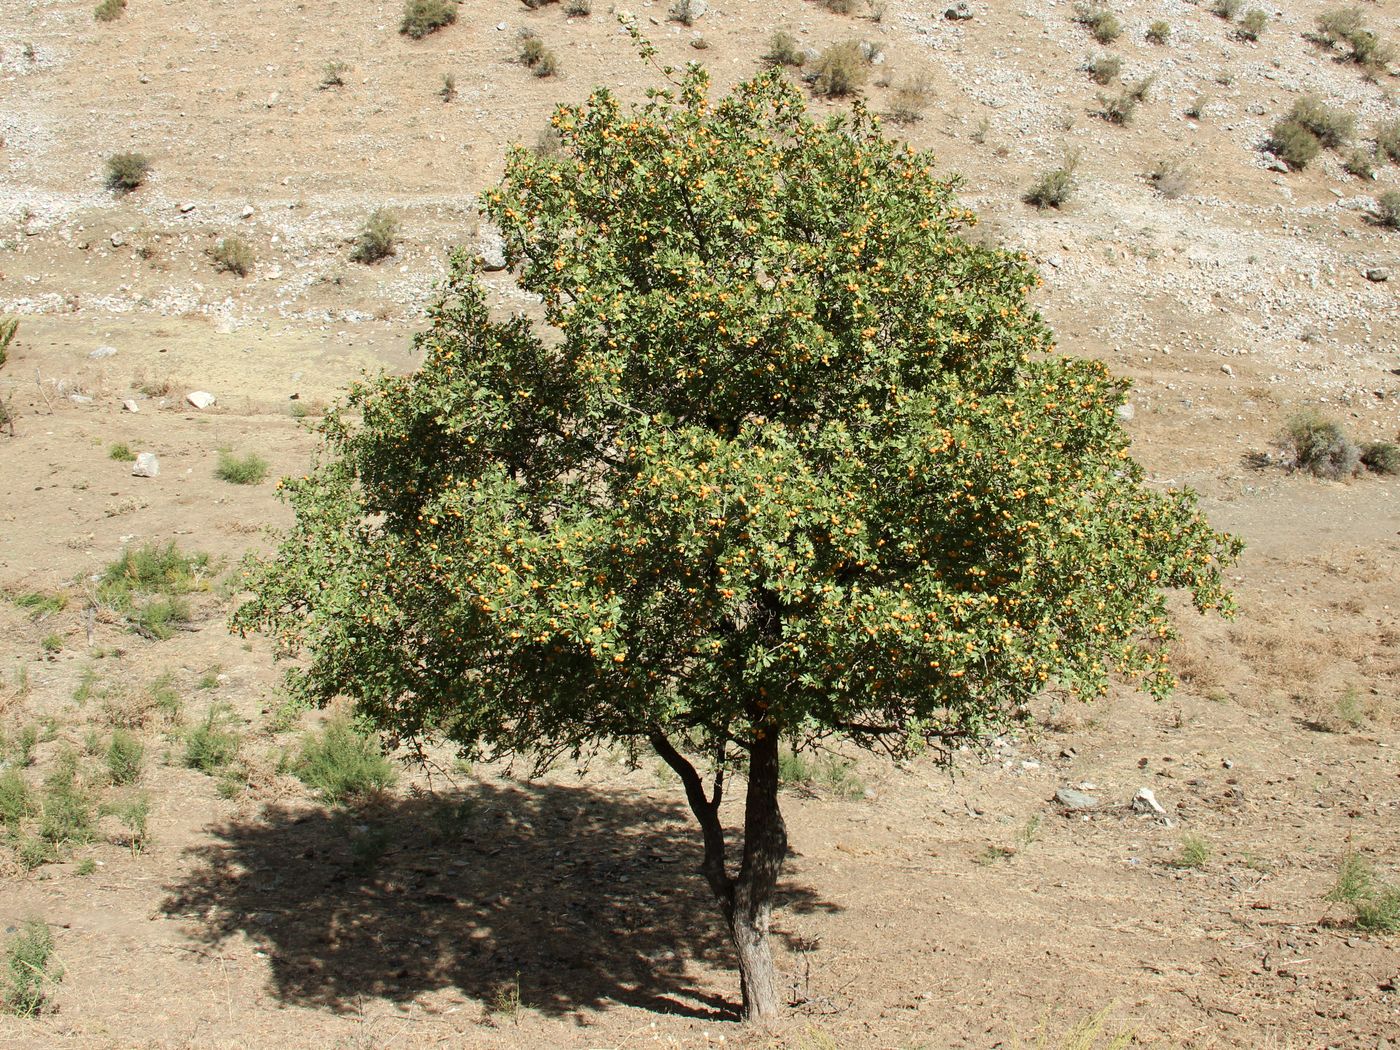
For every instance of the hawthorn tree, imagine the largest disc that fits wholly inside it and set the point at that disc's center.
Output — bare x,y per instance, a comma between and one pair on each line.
788,458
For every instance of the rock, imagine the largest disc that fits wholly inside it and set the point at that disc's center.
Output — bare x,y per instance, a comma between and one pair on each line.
187,207
492,249
102,351
117,240
130,405
1274,164
273,98
80,399
501,27
1227,370
146,466
200,399
1125,412
1378,274
1146,802
959,12
698,8
247,212
1076,800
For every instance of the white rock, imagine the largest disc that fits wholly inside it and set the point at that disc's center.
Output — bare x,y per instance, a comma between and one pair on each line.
501,27
247,212
200,399
130,405
146,466
1146,802
492,249
80,399
272,99
1125,411
102,351
1227,370
187,207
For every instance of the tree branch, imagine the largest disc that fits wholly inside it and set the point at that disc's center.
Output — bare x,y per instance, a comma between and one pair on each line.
707,813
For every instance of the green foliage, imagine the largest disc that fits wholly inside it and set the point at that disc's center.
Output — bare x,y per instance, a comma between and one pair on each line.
1293,144
377,239
9,328
840,70
1195,851
333,74
1105,69
683,11
246,470
910,100
1381,457
126,171
783,51
1360,163
1053,188
1333,127
787,456
1387,149
421,17
146,585
39,604
1376,904
1388,209
830,773
535,57
134,812
109,10
212,743
232,255
121,452
578,8
340,762
15,803
1339,24
29,968
1159,32
1252,25
20,748
448,91
124,755
52,643
1103,24
66,811
85,867
1226,9
1318,445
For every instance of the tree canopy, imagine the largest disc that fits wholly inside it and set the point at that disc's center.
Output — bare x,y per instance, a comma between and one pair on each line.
788,456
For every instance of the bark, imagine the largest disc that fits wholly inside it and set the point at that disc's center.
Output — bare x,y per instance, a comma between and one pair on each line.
746,898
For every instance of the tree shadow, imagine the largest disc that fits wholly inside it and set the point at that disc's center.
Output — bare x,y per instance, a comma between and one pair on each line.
587,898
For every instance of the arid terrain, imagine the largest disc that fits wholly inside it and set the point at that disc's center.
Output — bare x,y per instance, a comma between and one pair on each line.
475,907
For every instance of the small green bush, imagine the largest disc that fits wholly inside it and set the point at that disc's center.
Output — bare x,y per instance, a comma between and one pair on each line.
1105,69
535,57
9,328
52,643
578,8
1333,127
1376,904
213,743
1159,32
1053,188
377,238
1339,24
783,51
1387,149
146,584
1388,209
841,70
232,255
1381,457
421,17
124,755
15,803
1226,9
29,967
1370,51
1293,144
448,91
247,470
1319,446
1360,163
1119,108
1103,24
1252,25
121,452
340,762
109,10
66,812
126,171
1195,852
910,101
135,815
840,7
683,11
333,75
1169,177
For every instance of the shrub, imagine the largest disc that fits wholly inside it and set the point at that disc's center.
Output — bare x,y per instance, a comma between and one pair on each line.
1252,25
1195,851
124,755
213,743
1339,24
333,75
578,8
109,10
1369,50
29,966
14,800
66,812
841,70
1159,32
1119,108
121,452
1293,144
535,57
1360,163
248,470
1387,148
1376,904
910,101
1105,69
683,11
232,255
376,239
1226,9
126,171
1103,24
1053,188
448,91
421,17
1381,457
783,50
1333,127
840,7
134,814
1319,446
341,762
145,586
9,328
1347,26
1388,209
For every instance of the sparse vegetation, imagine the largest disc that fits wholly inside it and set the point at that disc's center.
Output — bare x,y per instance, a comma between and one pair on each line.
109,10
1103,24
1226,9
15,803
1169,177
66,809
1375,904
1381,457
535,57
212,743
232,255
910,100
1053,188
1120,107
125,753
1387,149
1251,27
29,968
1105,69
134,813
578,8
783,51
840,7
1159,32
1195,852
448,91
146,586
1319,446
1293,144
1333,127
682,11
121,452
829,773
126,171
340,762
841,70
1388,209
1359,163
1345,28
9,328
377,239
241,470
421,17
333,74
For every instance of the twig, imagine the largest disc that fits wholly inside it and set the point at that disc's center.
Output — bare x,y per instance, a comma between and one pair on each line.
39,382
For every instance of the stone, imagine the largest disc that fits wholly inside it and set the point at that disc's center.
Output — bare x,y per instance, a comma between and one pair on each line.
247,212
117,240
492,249
80,399
1274,164
130,406
103,351
1227,370
959,12
1125,412
1146,802
501,27
200,399
273,99
1378,274
1076,800
146,466
187,207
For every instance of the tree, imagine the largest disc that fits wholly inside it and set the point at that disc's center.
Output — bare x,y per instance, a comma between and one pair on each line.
787,458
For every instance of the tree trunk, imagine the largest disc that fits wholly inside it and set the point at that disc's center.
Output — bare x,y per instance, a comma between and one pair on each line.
745,899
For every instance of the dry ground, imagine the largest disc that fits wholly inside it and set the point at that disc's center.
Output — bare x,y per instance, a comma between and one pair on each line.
931,911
